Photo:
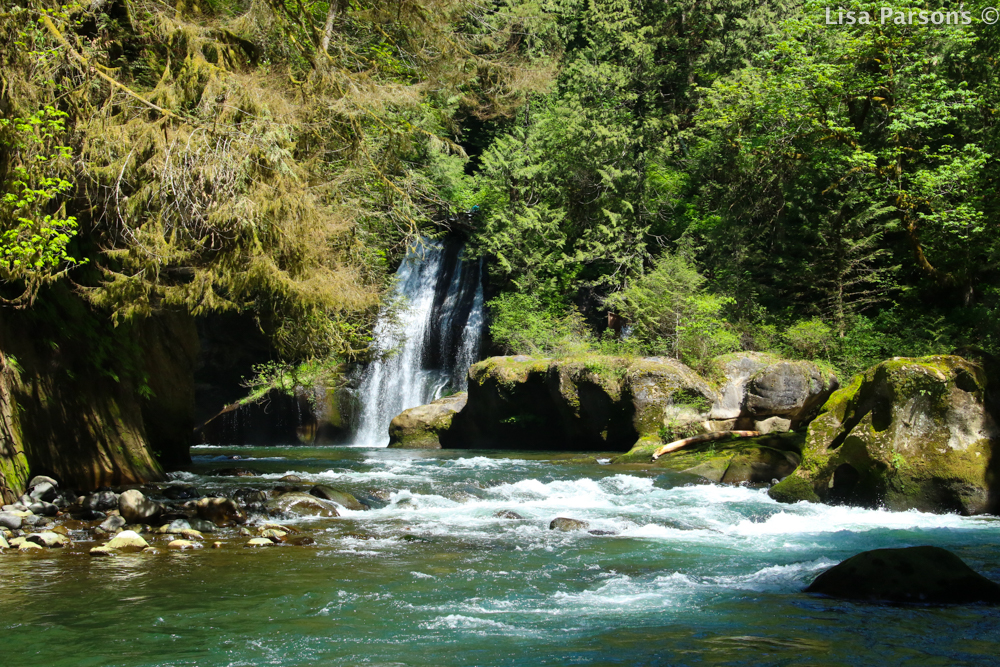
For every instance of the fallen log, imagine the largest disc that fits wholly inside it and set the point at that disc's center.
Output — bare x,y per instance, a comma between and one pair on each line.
704,437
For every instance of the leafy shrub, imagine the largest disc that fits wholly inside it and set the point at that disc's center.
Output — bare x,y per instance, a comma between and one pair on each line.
671,312
810,338
523,325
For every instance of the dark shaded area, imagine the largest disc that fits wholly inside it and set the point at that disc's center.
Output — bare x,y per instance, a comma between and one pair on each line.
913,575
231,344
535,415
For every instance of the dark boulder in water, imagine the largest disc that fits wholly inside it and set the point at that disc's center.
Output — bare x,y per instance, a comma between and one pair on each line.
235,472
340,497
508,514
914,574
565,524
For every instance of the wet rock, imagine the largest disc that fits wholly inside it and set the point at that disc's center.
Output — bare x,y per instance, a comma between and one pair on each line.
136,508
303,504
101,501
291,479
182,544
42,508
34,520
220,511
61,530
259,542
202,526
252,500
103,552
49,540
216,545
235,472
112,523
43,491
301,541
180,492
28,545
340,497
565,524
273,534
127,540
3,542
760,465
508,514
371,501
914,574
10,521
421,427
906,434
602,532
174,527
712,470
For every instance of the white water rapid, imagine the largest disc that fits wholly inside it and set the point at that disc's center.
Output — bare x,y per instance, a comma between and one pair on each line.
436,338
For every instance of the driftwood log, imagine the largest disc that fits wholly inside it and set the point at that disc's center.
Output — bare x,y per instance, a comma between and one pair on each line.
704,437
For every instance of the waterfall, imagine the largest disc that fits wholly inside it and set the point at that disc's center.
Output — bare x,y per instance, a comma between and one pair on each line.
436,337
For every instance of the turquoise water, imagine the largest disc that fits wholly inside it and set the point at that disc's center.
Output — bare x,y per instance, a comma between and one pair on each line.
685,573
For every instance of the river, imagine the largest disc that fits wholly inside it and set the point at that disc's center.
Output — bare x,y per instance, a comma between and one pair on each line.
675,572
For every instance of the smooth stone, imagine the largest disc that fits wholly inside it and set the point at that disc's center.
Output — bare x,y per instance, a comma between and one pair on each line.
216,545
508,514
127,540
183,544
34,520
278,526
10,520
178,525
136,508
202,526
101,501
43,508
220,511
275,535
259,542
291,479
61,530
191,534
3,542
913,574
16,507
304,504
563,523
112,523
28,545
335,495
102,552
250,499
42,479
49,540
43,491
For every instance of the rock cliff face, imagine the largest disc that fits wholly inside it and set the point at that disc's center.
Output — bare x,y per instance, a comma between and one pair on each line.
603,403
907,434
323,413
590,403
85,429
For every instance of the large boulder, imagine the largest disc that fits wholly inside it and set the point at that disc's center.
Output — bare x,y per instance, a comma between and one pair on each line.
756,388
580,403
136,508
219,511
915,574
421,427
303,504
906,434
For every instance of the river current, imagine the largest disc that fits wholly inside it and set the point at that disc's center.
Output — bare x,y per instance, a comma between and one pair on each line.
670,572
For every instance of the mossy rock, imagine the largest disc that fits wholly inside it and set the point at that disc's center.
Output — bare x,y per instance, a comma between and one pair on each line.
906,434
421,427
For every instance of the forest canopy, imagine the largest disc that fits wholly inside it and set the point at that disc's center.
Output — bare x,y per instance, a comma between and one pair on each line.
719,176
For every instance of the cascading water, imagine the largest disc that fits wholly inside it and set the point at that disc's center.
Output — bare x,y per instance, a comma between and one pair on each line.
436,337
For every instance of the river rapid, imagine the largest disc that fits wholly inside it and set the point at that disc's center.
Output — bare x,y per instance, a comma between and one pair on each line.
670,572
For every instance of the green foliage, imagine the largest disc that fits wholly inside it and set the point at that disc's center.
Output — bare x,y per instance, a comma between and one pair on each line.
522,325
671,312
35,231
811,339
